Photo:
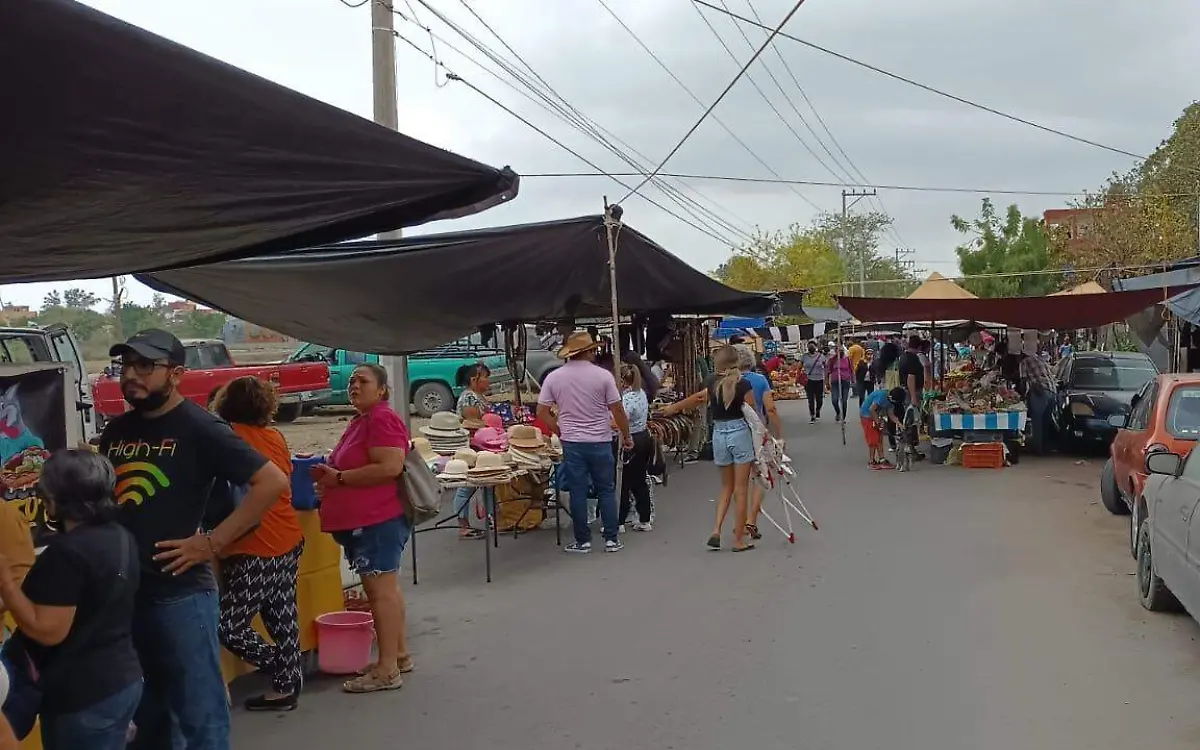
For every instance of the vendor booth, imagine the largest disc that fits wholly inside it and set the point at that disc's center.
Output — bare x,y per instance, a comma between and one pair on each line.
138,166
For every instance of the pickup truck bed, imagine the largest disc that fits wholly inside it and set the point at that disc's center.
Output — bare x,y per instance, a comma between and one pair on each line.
210,366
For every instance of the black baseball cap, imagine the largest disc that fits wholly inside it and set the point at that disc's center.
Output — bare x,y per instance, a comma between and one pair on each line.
153,344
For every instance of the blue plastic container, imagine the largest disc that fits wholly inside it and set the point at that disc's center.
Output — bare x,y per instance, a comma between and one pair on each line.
304,497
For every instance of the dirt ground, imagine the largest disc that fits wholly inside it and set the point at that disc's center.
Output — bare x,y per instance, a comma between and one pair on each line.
320,432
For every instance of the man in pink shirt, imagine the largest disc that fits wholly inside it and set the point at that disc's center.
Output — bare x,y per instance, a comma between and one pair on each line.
588,403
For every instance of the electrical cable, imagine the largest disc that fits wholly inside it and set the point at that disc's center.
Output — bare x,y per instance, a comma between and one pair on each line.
450,75
820,183
717,101
581,122
697,99
925,87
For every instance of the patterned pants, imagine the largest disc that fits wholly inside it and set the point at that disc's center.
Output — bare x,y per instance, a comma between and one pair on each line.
266,586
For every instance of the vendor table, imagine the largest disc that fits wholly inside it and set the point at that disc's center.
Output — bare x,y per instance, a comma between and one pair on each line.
547,501
992,421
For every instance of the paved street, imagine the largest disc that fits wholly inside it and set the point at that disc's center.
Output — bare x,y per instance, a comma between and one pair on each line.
939,610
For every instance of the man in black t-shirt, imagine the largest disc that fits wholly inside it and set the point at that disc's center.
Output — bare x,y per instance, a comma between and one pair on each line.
912,371
168,453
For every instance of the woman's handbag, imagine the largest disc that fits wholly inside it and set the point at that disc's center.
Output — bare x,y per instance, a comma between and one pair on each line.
420,493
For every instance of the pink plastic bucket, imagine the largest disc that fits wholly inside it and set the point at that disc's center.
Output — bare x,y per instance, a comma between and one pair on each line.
344,641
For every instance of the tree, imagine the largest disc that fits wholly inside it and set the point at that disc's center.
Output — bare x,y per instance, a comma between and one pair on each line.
52,299
795,259
1012,244
135,317
79,299
857,237
200,324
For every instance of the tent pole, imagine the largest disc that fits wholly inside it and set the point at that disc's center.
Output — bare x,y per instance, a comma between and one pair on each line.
612,226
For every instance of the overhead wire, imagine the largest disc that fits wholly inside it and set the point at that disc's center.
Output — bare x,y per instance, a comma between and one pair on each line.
716,101
450,75
926,87
574,117
766,99
856,173
620,21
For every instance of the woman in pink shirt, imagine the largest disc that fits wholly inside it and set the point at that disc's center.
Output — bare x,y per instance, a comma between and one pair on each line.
360,507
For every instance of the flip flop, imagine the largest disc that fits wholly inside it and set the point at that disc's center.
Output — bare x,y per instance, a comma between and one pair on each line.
714,542
743,548
472,534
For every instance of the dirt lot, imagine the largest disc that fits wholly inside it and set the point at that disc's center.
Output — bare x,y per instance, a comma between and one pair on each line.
320,432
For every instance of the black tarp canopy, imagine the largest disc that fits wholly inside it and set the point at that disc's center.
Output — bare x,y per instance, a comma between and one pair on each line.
402,296
122,151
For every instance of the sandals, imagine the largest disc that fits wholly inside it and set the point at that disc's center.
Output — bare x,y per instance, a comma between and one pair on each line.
406,665
753,531
374,683
466,533
744,547
714,542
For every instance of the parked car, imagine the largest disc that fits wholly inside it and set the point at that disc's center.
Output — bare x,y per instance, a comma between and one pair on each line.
54,343
1165,419
210,366
1168,538
1092,386
432,375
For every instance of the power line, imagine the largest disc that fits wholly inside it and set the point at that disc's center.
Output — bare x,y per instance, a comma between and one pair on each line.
930,89
717,101
564,110
867,186
574,117
766,165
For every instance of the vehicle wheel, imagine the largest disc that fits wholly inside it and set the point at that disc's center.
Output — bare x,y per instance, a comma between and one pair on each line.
1109,494
430,398
288,412
1152,592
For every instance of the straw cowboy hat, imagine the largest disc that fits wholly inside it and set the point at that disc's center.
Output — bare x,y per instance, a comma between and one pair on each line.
424,449
455,470
525,436
444,424
577,343
466,455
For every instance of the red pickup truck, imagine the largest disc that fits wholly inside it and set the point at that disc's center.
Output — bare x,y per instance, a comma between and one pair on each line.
209,366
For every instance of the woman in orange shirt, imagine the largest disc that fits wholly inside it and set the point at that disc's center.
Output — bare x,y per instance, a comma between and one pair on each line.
259,571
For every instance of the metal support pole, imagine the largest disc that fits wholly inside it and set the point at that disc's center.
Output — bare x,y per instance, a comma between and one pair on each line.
383,75
612,227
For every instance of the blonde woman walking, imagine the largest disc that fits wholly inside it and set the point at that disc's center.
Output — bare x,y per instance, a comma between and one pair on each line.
733,446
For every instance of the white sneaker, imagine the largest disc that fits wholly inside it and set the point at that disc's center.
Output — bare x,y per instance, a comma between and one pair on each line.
639,526
621,529
613,546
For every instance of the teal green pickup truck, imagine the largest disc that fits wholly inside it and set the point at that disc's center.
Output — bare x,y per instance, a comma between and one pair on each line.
432,374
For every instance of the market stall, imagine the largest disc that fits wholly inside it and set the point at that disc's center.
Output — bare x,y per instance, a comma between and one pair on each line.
147,121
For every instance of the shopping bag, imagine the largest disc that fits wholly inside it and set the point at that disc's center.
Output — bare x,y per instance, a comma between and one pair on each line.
420,493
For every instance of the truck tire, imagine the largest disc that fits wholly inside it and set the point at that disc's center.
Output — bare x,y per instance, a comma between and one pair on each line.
430,398
288,412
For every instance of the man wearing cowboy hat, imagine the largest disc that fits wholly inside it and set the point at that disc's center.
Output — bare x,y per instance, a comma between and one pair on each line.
588,402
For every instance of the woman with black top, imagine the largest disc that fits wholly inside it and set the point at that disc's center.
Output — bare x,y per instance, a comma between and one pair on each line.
75,609
733,445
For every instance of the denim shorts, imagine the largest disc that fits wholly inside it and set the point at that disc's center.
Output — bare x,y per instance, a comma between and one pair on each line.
733,443
376,549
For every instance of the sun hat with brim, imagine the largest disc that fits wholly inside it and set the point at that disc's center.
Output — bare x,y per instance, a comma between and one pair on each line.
467,455
577,343
455,470
473,424
524,436
434,432
424,449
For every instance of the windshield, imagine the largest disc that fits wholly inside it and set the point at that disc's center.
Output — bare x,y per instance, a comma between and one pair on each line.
1183,413
1111,375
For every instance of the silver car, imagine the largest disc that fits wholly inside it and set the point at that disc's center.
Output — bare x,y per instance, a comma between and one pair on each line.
1168,540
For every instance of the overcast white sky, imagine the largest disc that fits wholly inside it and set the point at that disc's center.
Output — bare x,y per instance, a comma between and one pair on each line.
1119,76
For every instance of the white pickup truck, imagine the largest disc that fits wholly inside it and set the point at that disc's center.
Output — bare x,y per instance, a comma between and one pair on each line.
21,347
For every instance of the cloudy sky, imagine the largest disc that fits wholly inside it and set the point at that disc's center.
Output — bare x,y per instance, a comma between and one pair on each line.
1119,77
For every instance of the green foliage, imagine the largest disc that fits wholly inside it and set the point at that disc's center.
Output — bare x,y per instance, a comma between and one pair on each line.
95,330
825,257
999,245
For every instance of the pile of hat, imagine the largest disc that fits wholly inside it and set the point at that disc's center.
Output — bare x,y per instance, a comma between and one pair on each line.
446,434
527,448
490,469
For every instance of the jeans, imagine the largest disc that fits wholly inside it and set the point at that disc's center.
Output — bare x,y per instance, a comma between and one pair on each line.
635,484
815,389
839,393
176,641
462,504
1039,409
100,726
591,465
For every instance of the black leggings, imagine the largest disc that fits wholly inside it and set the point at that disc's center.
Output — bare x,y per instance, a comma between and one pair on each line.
635,486
816,396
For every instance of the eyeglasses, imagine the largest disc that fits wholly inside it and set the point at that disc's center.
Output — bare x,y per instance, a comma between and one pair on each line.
139,366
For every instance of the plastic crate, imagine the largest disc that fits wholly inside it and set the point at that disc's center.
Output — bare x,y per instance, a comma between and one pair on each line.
983,456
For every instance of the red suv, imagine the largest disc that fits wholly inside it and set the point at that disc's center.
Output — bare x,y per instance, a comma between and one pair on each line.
1165,417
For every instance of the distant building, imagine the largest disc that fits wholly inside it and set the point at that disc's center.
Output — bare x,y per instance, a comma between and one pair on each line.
1077,225
16,315
240,332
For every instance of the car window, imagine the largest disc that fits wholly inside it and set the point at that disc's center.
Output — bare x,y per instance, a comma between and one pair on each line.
1139,419
1110,375
355,358
1183,413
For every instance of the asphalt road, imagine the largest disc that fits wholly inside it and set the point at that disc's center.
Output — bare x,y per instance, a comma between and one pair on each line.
944,609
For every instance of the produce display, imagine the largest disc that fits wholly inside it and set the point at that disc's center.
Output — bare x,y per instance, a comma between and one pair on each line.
783,384
971,391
